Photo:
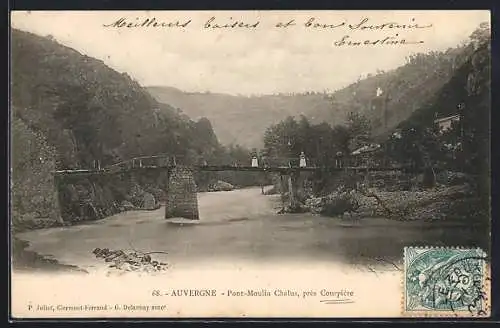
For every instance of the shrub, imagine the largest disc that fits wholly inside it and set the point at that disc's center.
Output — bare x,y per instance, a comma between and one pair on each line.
338,204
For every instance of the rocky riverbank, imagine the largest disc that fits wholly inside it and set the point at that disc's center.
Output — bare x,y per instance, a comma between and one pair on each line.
89,200
440,203
395,195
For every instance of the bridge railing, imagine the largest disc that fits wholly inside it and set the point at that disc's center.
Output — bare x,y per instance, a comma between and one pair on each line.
159,161
162,160
335,162
144,161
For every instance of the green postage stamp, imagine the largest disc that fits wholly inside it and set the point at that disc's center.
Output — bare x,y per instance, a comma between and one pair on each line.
445,281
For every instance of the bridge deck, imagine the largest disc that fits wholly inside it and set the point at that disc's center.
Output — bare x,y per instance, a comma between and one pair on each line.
215,168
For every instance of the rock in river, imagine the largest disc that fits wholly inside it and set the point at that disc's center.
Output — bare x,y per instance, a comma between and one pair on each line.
221,186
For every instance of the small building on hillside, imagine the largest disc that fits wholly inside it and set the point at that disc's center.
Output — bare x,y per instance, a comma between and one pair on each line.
366,155
445,123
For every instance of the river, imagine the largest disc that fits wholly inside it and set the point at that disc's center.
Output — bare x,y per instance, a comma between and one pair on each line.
242,225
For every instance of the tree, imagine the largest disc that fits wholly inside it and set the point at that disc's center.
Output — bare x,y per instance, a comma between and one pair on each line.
481,35
340,138
476,117
359,129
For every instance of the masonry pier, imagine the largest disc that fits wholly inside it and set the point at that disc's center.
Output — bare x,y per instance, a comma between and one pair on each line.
182,197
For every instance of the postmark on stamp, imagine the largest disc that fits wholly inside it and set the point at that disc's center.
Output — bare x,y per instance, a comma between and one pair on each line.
445,281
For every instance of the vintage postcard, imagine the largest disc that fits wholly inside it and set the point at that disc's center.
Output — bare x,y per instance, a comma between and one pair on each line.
250,164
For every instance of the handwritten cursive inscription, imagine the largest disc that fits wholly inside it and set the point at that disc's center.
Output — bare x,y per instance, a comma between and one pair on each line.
388,40
392,29
145,22
212,23
312,23
365,25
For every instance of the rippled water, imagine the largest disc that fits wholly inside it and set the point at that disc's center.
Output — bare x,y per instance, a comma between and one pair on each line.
243,225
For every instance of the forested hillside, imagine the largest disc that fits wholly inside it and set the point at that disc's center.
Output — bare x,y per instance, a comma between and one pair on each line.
416,140
243,119
236,119
88,111
466,146
69,109
467,92
404,89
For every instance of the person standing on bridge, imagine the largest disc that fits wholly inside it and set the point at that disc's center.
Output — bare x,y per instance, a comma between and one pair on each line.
255,162
338,159
302,162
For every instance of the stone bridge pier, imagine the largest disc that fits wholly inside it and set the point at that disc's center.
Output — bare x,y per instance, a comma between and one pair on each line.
182,197
291,182
91,197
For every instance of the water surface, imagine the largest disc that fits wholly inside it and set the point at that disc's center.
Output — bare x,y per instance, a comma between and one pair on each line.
242,225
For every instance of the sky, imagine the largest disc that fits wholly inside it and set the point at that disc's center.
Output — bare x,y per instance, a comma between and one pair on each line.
263,59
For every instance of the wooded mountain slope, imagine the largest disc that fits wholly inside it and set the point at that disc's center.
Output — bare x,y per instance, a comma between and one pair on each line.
243,119
69,109
88,111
